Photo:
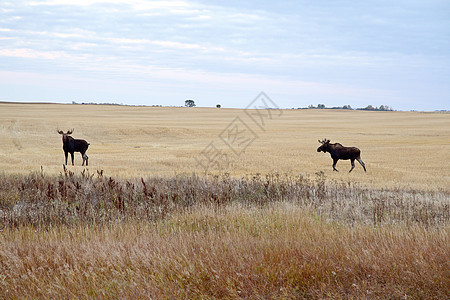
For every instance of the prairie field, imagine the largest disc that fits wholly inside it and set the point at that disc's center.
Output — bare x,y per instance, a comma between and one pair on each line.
206,203
400,149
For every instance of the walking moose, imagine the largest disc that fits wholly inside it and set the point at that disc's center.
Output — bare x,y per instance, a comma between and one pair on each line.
338,152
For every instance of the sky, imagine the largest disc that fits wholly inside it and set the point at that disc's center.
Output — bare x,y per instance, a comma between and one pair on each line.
137,52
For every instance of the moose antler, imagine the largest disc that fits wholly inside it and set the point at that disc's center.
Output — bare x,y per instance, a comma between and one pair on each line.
59,131
70,131
323,141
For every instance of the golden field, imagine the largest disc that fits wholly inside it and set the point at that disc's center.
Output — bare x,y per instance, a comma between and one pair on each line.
400,149
268,220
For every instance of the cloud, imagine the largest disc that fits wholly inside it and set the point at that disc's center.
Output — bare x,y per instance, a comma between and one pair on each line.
187,46
29,53
137,4
288,46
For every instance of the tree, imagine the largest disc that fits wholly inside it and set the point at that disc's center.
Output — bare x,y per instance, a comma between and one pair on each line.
321,106
218,106
189,103
385,108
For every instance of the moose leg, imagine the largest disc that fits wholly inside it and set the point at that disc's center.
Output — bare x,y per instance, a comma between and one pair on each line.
71,154
362,163
85,158
66,154
334,164
353,165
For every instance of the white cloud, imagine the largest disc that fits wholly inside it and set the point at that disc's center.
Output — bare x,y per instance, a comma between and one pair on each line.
184,46
136,4
30,53
321,48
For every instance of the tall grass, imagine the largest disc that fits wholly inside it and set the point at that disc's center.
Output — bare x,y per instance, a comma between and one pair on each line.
279,251
87,199
273,236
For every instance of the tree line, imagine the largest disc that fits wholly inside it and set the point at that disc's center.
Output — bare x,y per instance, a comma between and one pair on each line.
368,107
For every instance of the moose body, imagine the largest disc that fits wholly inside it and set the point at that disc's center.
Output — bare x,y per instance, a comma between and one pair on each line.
337,152
71,145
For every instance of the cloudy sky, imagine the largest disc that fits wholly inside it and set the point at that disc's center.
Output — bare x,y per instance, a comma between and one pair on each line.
164,52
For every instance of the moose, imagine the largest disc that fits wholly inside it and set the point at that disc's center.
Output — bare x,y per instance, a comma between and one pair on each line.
338,152
71,145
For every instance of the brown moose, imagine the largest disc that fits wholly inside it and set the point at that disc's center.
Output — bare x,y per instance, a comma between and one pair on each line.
338,152
71,145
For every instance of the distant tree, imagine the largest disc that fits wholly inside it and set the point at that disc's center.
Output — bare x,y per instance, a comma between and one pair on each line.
347,107
189,103
311,106
218,106
385,108
320,106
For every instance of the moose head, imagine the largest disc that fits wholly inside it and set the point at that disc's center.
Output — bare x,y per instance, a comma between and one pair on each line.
65,135
324,147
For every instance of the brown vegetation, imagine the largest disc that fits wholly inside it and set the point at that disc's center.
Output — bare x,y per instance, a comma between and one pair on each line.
273,236
40,200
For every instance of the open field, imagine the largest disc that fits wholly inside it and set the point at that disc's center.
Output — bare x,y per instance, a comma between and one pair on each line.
273,221
406,149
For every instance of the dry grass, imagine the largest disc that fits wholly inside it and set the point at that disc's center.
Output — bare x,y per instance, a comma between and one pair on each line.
44,201
400,149
142,221
273,236
279,251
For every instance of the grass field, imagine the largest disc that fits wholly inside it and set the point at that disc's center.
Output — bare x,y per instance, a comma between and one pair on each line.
406,149
273,221
90,236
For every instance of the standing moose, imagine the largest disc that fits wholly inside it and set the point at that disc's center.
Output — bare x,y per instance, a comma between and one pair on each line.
338,152
71,145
